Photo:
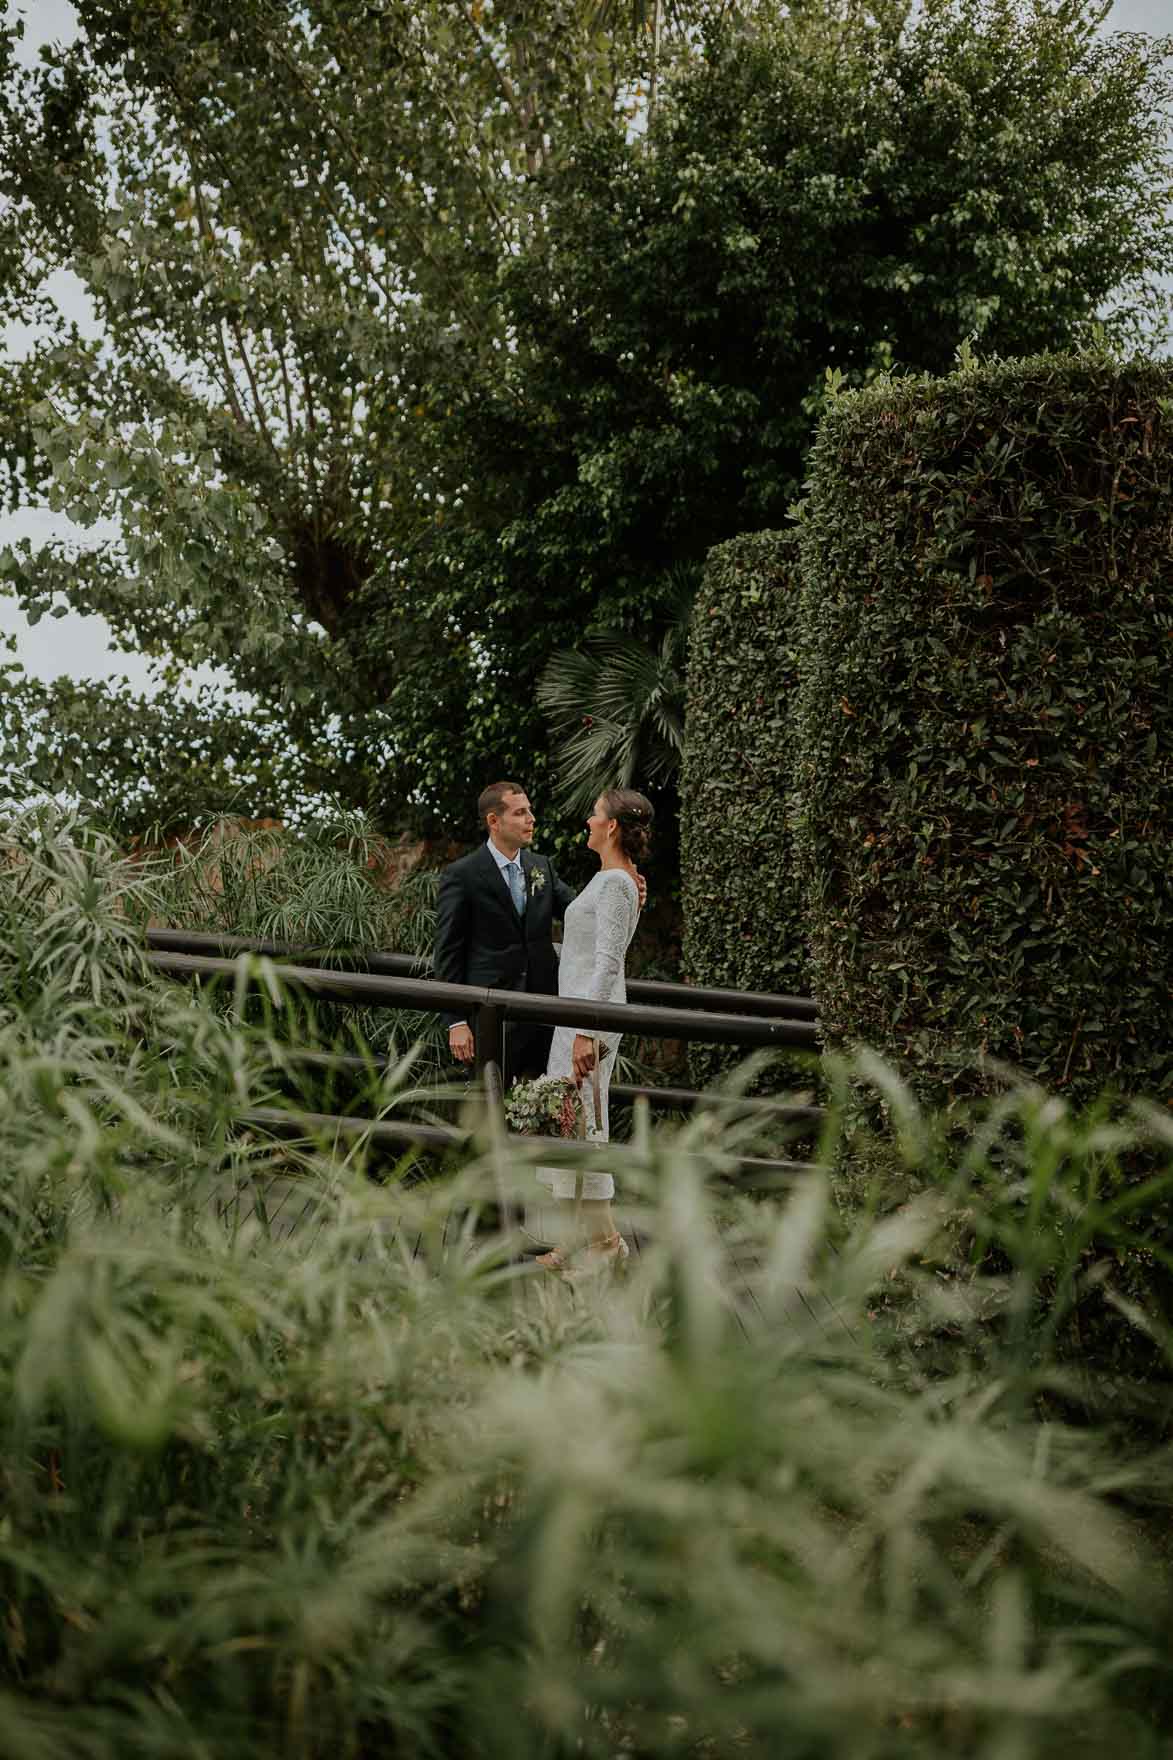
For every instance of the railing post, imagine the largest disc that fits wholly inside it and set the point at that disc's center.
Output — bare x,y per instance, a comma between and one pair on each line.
509,1214
487,1029
491,1077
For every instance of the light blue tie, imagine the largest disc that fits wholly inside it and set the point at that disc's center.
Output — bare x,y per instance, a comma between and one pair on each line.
516,886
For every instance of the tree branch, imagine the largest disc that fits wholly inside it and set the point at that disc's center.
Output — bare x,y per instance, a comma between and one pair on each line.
311,435
416,234
229,377
285,390
508,89
206,228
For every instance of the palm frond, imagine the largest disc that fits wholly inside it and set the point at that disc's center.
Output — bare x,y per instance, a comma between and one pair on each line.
616,709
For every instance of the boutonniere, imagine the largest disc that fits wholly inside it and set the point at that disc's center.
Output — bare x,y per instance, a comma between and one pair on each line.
537,879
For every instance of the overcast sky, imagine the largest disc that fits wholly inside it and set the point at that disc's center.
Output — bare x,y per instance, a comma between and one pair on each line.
79,646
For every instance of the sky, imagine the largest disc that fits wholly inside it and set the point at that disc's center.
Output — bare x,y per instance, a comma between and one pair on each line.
74,646
79,646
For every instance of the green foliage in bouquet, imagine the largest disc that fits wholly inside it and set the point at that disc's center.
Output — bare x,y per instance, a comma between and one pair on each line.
547,1106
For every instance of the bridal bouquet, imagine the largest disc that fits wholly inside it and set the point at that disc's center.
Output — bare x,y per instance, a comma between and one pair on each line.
547,1106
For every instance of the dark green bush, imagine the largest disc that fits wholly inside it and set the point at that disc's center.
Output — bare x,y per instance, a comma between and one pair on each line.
984,730
742,907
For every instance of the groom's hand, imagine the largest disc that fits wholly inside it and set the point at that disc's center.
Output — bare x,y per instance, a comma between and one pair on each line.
461,1043
641,888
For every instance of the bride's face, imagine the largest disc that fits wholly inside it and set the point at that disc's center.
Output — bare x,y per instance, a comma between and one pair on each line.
599,828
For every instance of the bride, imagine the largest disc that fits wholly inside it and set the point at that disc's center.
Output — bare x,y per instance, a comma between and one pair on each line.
597,931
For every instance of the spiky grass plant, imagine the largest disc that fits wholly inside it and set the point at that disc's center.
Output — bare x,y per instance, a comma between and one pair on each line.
365,1487
323,887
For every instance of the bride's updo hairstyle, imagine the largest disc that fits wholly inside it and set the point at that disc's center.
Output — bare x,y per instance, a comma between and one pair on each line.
633,813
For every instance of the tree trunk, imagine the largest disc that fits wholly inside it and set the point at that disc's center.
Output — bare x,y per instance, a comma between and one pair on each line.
657,28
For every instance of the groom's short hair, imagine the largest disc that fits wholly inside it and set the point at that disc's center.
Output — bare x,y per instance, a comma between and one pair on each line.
492,799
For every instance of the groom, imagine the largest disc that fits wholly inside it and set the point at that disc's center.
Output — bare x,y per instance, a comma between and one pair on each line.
494,918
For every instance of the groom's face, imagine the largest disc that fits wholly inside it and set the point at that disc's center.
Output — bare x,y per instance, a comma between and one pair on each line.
513,826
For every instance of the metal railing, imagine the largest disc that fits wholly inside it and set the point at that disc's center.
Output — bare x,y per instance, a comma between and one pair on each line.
657,992
622,1094
395,1133
490,1010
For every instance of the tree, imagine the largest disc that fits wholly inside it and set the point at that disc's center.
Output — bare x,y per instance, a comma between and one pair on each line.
421,363
290,212
138,764
820,196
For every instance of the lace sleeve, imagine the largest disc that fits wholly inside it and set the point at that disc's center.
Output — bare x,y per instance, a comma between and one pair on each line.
614,920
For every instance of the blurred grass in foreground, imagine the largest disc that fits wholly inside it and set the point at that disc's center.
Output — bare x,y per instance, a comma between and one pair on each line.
821,1477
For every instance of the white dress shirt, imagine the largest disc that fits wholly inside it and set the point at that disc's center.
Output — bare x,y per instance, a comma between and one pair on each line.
503,861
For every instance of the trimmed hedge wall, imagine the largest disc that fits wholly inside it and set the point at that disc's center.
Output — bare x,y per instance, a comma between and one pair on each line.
984,729
742,908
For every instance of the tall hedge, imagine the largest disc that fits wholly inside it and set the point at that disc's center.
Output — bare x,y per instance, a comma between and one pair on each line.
985,724
742,908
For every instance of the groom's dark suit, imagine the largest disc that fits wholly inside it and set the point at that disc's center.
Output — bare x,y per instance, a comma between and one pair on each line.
481,939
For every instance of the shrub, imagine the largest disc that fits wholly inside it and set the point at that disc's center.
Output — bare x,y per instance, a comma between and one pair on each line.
334,885
985,725
743,911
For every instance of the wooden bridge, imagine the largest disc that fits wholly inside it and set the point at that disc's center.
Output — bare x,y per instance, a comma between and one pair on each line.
654,1009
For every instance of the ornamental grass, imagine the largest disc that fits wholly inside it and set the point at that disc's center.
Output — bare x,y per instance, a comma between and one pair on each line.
812,1480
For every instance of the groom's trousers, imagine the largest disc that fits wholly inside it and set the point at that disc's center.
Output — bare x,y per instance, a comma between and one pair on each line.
526,1049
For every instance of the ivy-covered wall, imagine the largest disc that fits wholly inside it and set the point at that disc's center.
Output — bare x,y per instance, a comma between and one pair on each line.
742,911
984,728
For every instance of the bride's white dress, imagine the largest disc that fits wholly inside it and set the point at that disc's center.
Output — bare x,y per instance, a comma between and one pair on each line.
596,933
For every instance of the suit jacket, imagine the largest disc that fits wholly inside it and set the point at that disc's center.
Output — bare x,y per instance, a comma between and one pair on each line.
481,939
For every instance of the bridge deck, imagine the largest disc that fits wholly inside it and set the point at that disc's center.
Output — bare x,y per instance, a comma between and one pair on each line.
286,1208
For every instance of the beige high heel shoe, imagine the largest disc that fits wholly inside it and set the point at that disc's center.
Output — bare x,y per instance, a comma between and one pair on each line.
609,1252
600,1256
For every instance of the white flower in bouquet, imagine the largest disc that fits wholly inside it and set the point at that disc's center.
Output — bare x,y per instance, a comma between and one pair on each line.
547,1106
